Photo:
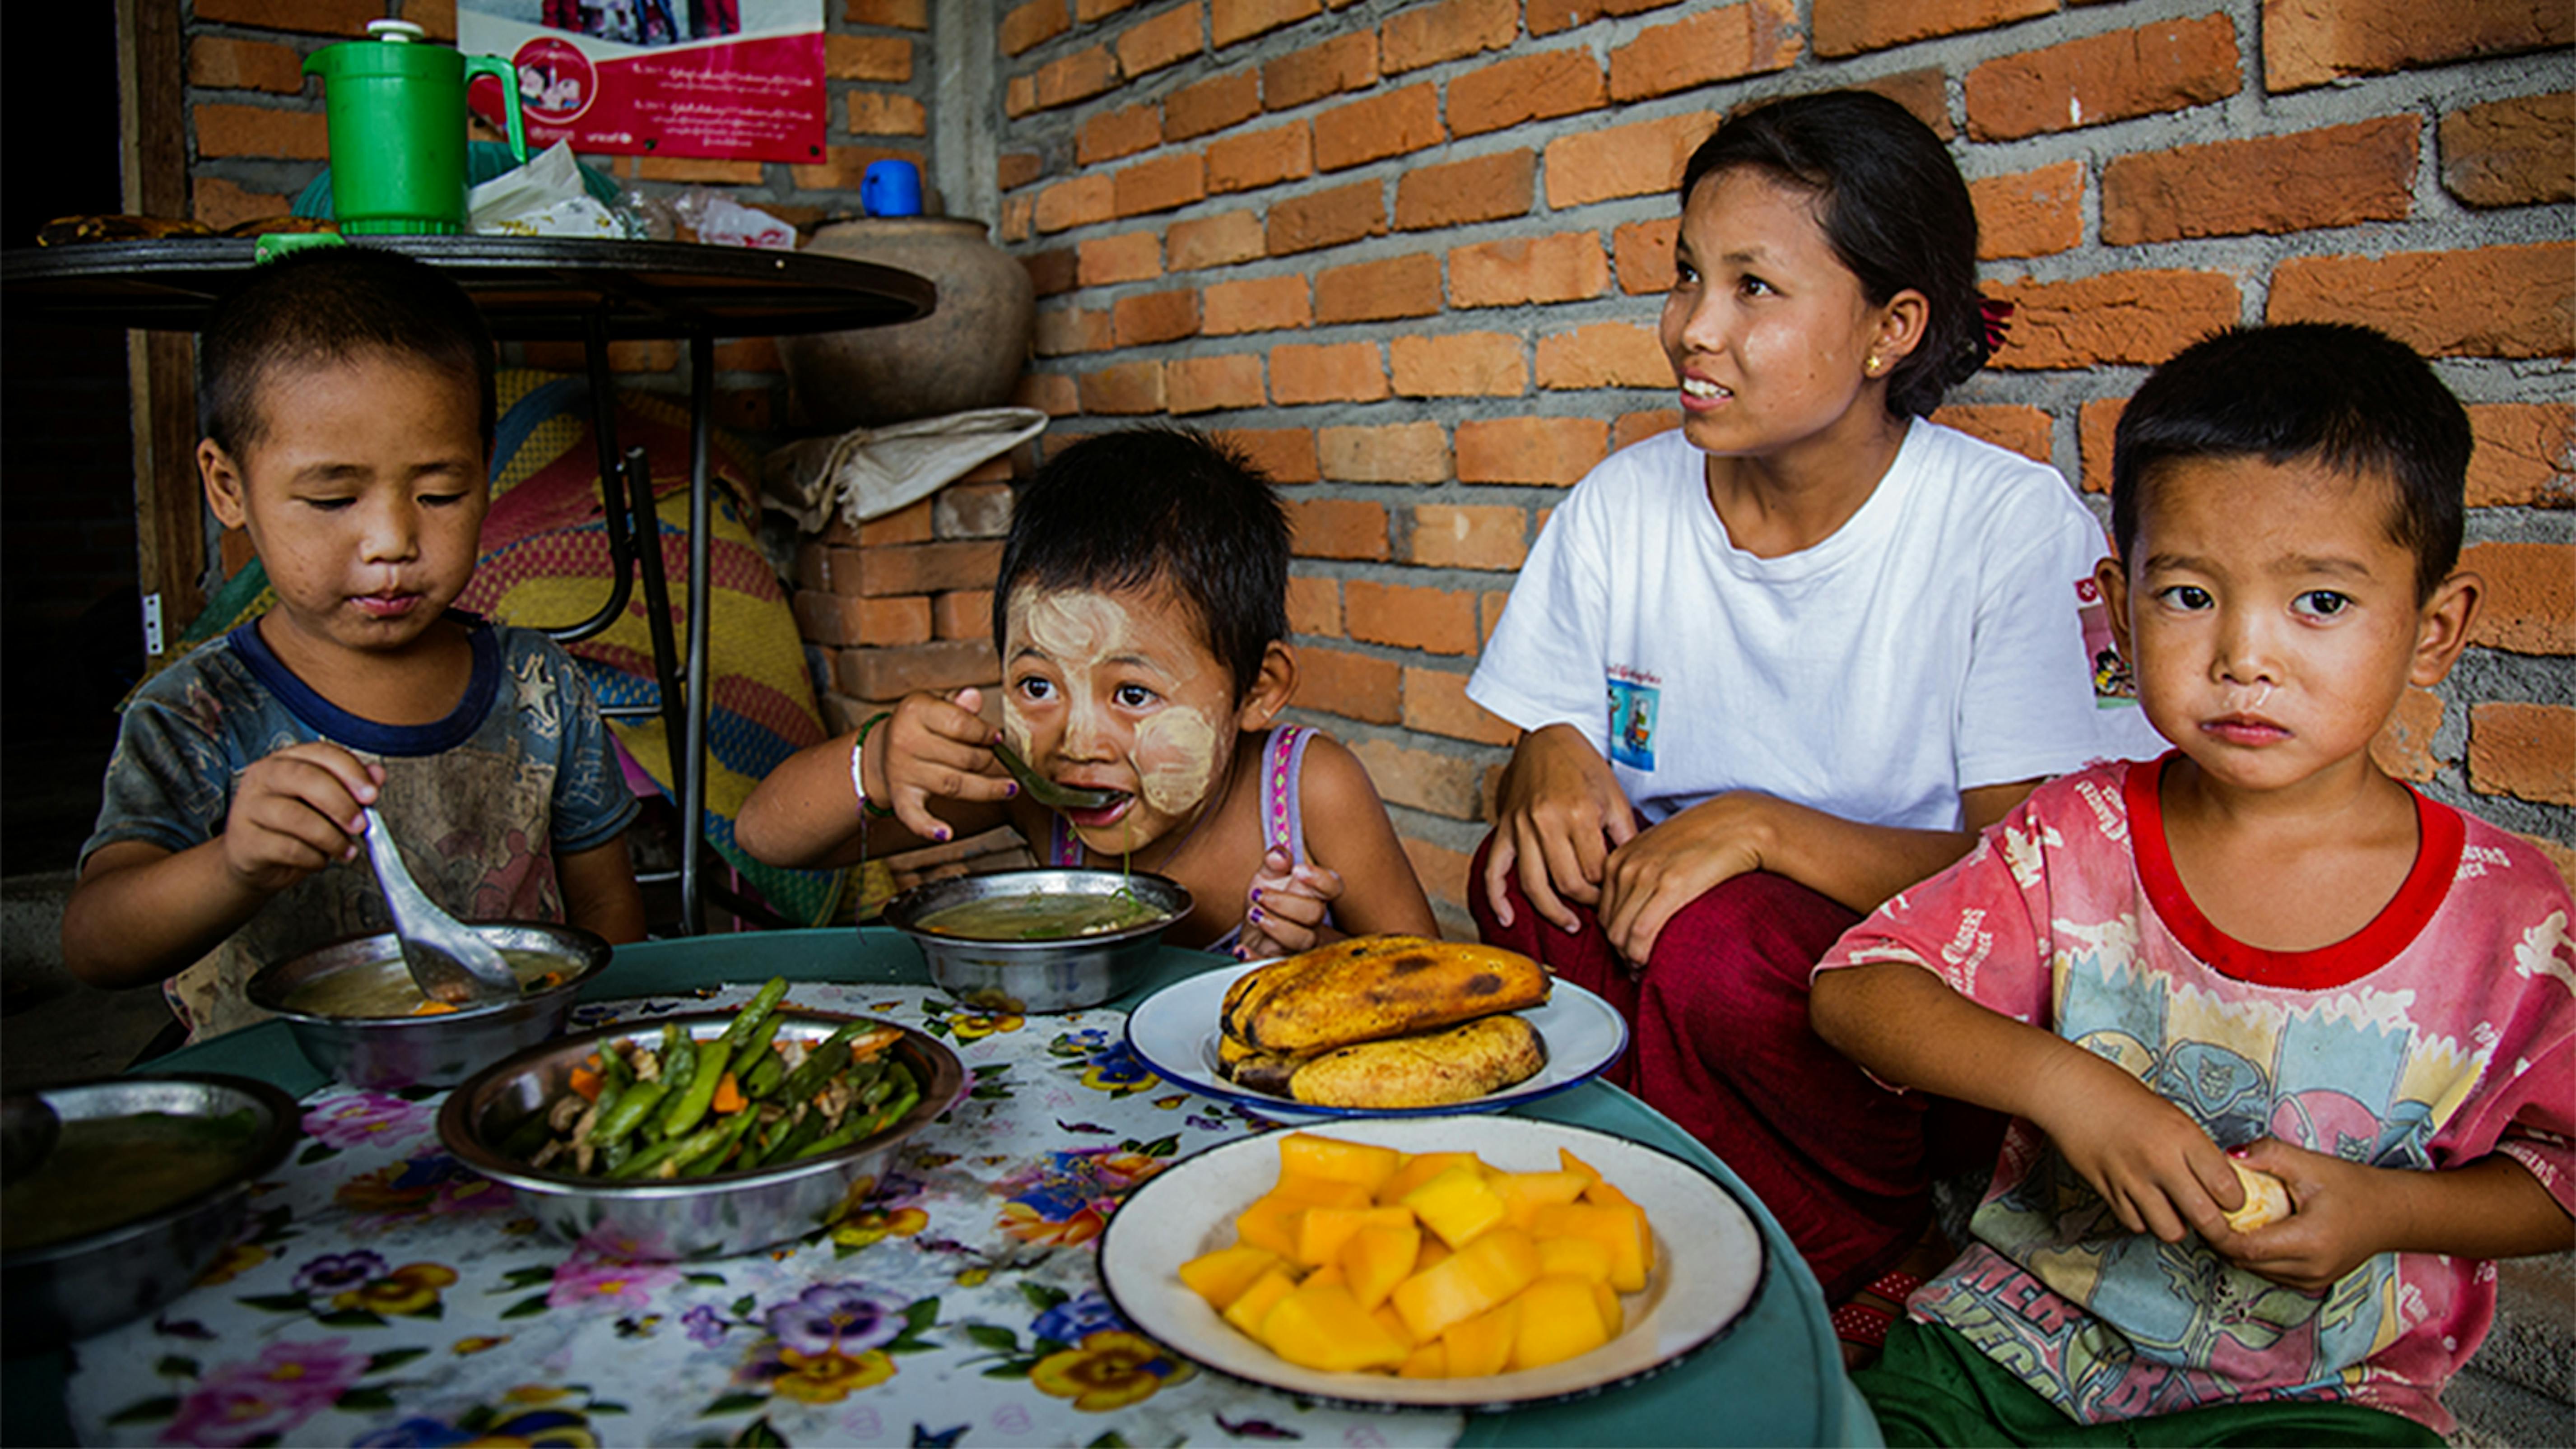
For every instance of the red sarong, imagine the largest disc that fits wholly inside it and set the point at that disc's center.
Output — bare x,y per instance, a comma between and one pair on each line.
1720,1043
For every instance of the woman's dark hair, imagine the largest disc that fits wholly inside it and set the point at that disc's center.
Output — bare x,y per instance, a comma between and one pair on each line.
333,304
1893,208
2360,403
1154,505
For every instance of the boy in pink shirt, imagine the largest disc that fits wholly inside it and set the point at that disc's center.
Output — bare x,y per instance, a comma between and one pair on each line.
2257,950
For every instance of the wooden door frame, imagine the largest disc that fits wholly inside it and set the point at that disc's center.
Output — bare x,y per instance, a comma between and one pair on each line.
169,508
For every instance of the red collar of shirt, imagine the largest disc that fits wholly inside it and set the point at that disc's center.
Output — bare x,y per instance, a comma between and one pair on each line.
2439,832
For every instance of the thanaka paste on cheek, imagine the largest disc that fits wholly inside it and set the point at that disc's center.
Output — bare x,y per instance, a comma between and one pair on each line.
1174,753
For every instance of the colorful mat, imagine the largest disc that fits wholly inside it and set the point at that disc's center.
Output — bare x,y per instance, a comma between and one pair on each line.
545,563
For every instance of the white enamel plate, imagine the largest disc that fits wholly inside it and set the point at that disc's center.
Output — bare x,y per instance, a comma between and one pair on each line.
1175,1032
1709,1261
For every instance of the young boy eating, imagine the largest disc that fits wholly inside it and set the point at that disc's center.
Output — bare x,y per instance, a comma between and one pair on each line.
2258,952
1142,620
348,407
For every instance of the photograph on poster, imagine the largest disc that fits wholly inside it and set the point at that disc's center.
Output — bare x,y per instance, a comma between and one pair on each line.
724,79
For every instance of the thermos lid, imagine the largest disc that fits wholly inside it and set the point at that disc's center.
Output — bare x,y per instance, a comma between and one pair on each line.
398,32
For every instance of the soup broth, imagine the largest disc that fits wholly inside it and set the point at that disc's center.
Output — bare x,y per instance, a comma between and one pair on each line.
1044,916
384,988
107,1171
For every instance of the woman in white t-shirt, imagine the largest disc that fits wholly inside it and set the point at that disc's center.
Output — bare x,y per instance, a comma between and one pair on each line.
1774,668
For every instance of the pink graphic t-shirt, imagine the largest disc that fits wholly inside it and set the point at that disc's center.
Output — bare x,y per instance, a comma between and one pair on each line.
2440,1033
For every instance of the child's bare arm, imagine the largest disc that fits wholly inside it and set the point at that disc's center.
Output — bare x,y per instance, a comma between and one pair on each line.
805,815
141,913
1356,870
2152,1164
2347,1212
599,891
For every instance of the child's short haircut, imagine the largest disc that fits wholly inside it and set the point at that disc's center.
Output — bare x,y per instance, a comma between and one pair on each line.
1893,208
334,304
1156,505
2356,401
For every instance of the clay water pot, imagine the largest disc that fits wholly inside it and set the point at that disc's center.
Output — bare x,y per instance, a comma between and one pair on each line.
968,353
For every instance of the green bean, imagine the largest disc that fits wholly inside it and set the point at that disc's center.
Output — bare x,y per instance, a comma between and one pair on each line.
818,1068
690,1106
527,1135
679,1057
764,1076
734,1127
646,1160
858,1127
757,1012
631,1109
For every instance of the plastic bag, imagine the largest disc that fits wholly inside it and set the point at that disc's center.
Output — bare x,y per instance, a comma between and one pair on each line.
722,221
546,197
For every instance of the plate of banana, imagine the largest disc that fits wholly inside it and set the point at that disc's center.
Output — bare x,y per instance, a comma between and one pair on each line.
1378,1026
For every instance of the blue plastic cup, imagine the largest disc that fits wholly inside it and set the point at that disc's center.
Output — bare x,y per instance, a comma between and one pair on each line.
891,188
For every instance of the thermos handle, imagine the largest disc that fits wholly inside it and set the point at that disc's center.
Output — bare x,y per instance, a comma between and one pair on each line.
508,75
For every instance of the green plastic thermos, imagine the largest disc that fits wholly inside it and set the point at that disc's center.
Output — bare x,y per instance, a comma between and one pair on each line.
396,111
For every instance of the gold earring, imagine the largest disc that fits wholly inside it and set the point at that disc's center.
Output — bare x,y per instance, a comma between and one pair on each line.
1871,366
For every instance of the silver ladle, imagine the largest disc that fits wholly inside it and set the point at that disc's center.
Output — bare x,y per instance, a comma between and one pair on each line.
449,960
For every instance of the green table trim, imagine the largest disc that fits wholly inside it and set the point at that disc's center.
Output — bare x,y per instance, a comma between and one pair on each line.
1682,1406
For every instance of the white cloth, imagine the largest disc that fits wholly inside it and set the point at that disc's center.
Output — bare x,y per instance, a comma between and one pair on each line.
1931,645
870,472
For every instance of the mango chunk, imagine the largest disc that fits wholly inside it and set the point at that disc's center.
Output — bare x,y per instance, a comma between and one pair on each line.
1483,1344
1419,1170
1524,1193
1578,1257
1458,1204
1314,1191
1469,1282
1427,1361
1378,1257
1558,1320
1253,1304
1622,1230
1330,1275
1568,1162
1271,1224
1334,1160
1220,1277
1321,1233
1325,1328
1614,1319
1393,1322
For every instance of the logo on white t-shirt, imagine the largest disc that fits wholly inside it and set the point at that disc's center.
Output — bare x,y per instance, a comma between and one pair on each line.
1635,698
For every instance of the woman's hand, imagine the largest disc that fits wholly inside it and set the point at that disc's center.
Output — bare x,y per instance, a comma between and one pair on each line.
1557,818
295,812
1286,906
1647,881
2339,1220
933,749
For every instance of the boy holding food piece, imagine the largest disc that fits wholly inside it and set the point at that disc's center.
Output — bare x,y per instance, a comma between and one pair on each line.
1141,616
2257,952
348,405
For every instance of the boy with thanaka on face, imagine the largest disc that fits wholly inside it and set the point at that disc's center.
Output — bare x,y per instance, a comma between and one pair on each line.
2258,950
349,409
1141,616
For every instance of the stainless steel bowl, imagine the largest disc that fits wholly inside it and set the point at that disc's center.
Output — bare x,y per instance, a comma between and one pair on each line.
1037,976
699,1217
441,1049
75,1287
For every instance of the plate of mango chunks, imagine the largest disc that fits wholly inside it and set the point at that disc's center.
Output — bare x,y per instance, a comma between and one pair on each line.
1482,1263
1378,1026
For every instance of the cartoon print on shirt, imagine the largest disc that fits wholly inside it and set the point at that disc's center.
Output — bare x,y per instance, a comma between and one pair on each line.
1634,697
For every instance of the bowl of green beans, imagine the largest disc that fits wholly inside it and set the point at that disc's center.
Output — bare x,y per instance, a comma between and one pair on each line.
705,1135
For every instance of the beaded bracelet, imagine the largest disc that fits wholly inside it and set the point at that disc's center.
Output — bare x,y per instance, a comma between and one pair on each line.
858,752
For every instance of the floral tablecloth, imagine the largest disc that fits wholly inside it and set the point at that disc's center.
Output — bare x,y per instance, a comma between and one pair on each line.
382,1295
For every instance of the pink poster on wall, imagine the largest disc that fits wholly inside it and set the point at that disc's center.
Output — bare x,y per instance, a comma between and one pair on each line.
737,80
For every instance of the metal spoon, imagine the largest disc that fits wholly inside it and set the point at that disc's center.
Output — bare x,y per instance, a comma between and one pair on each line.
449,960
1045,791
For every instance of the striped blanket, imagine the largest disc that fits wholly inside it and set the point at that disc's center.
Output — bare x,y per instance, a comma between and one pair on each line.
545,564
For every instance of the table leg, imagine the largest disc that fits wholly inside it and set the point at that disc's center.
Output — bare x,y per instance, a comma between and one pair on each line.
693,791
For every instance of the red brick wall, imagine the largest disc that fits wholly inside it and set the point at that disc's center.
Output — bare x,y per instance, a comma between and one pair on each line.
1411,254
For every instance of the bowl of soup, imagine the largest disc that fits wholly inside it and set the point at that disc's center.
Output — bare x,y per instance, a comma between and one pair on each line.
1039,940
357,1015
141,1186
